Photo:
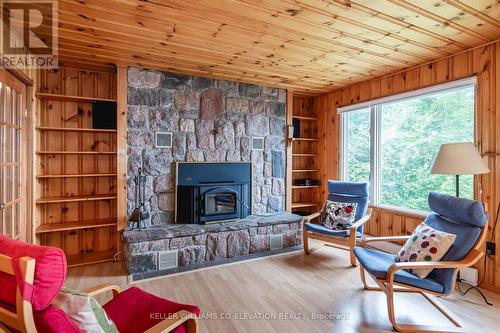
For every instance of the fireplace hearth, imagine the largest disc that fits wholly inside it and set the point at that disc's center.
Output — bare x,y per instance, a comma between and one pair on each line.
212,192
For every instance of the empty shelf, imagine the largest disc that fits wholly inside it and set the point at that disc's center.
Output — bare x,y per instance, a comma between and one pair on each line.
76,198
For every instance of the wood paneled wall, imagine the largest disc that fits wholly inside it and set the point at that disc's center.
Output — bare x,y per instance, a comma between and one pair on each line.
484,62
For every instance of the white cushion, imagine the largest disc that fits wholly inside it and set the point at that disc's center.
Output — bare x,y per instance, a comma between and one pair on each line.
425,244
338,215
85,311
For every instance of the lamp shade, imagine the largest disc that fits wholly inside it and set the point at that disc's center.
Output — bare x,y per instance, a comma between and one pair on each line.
460,158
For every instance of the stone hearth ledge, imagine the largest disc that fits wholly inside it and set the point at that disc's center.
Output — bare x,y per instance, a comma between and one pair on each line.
208,244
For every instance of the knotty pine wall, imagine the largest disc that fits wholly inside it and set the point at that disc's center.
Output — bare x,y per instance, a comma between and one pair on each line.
484,62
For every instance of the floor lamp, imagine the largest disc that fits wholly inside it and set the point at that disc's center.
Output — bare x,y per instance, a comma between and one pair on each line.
457,159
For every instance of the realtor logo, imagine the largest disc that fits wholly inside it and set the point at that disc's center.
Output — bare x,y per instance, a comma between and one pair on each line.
29,34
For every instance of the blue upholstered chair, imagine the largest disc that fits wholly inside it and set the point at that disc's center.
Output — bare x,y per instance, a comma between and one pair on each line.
467,219
346,239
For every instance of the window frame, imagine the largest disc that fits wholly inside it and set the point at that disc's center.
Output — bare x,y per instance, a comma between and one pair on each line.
375,109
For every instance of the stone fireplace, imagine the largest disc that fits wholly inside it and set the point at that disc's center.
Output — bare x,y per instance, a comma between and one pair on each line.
210,121
213,124
212,192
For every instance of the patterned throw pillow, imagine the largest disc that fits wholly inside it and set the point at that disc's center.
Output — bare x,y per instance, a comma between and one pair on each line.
85,311
425,244
338,215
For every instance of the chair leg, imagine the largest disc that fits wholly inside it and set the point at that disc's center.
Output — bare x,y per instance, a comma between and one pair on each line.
306,241
390,292
354,262
363,280
352,244
192,325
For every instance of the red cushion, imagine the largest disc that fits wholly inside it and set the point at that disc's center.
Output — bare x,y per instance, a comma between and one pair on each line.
54,320
50,320
50,272
135,311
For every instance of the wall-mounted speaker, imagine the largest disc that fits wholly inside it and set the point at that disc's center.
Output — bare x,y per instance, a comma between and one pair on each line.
296,127
103,115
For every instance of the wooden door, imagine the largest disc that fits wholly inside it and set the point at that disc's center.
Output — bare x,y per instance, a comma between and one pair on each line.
12,157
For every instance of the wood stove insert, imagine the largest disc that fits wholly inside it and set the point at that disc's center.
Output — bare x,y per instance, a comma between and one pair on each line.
212,192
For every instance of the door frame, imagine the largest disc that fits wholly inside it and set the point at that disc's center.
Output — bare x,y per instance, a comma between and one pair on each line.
25,195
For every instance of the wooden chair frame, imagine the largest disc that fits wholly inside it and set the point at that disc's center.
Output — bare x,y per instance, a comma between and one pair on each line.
346,243
389,286
23,320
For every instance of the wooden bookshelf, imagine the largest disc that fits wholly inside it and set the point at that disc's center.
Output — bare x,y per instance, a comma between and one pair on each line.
305,155
300,187
87,258
305,139
75,130
79,198
71,98
304,204
66,226
76,171
78,175
305,117
69,152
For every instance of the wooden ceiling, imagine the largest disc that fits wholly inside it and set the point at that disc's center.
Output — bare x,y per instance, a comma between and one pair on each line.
309,46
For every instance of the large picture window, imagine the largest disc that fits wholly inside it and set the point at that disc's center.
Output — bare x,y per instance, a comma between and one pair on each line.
391,143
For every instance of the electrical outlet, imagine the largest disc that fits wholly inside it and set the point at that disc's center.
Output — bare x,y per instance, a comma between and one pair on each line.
490,248
469,275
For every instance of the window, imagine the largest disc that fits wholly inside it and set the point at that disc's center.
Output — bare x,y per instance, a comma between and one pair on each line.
392,142
357,127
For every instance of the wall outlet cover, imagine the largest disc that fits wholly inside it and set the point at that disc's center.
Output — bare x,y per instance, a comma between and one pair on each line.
469,275
490,248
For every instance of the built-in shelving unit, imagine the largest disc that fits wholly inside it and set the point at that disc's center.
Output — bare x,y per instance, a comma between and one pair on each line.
76,166
69,152
71,98
80,175
305,155
75,130
67,226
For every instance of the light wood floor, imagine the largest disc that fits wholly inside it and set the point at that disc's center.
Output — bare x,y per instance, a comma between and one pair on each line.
293,284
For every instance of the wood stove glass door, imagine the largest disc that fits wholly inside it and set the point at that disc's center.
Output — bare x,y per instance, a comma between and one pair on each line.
220,201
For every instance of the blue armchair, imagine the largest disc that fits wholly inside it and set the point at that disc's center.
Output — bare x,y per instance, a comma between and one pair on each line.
467,219
346,239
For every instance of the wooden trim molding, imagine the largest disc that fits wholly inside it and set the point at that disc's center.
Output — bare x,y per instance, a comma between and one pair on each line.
289,156
21,76
121,159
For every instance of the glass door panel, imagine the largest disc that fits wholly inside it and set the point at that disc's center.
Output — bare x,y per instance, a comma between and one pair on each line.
12,171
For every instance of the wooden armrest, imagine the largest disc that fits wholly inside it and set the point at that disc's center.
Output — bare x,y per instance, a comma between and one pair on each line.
308,218
383,239
468,261
362,220
175,320
102,288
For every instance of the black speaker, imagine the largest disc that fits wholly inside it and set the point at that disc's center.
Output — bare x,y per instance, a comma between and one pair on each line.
296,127
104,115
306,182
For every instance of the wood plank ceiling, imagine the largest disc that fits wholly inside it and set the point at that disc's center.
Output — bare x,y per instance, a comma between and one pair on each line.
309,46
